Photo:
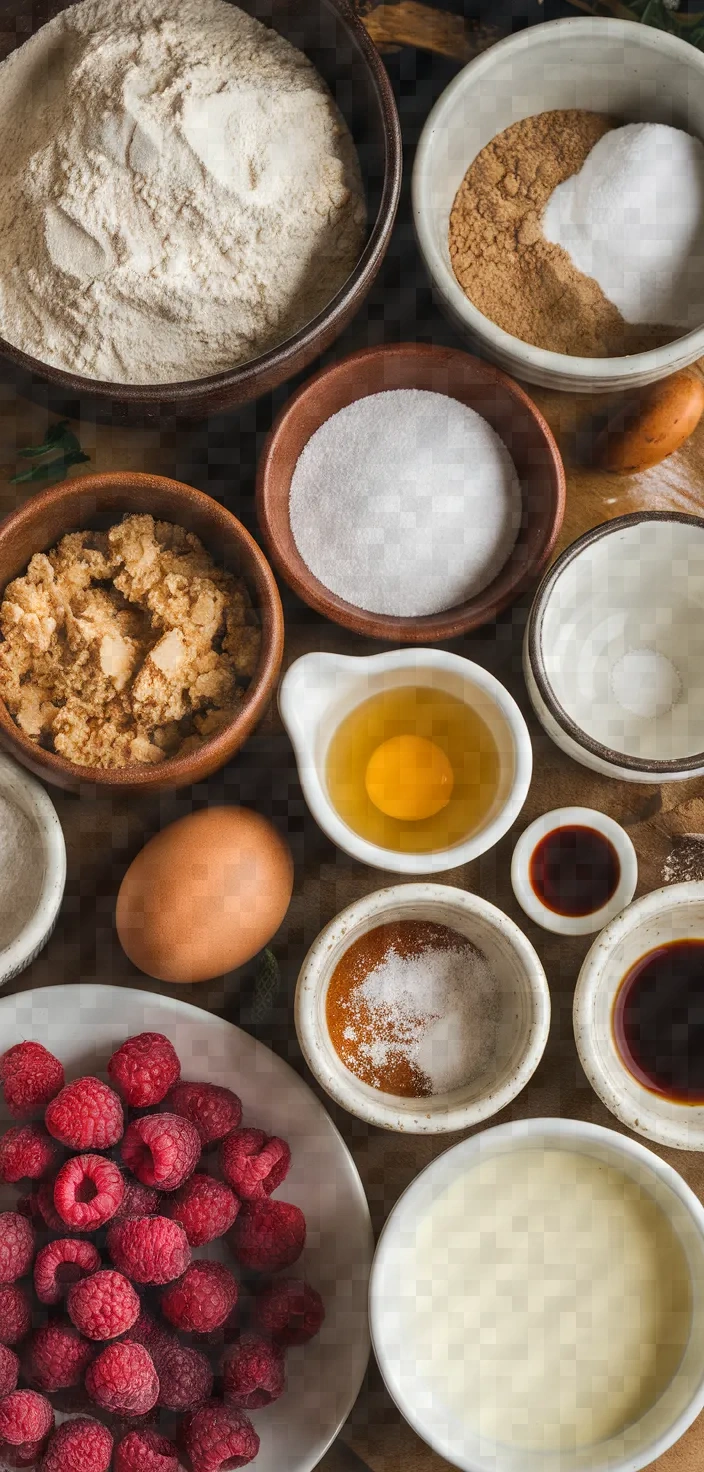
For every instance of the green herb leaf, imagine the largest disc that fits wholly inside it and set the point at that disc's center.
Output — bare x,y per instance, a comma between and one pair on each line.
267,981
51,470
56,435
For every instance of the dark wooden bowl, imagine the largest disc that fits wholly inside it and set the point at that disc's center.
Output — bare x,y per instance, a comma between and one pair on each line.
441,370
100,501
333,37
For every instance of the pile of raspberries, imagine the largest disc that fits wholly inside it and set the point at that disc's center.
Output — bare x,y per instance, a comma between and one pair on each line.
154,1352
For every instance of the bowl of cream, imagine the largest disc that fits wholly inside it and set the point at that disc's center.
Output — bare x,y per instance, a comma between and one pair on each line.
537,1301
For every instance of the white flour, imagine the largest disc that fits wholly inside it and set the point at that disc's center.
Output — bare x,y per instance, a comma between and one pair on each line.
179,191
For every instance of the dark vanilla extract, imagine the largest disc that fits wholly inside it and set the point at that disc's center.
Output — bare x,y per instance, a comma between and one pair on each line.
658,1021
574,870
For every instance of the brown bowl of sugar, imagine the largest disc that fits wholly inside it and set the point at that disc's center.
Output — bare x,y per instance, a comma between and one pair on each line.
141,633
410,493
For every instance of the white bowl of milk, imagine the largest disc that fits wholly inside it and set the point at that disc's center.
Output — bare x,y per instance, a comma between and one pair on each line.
537,1301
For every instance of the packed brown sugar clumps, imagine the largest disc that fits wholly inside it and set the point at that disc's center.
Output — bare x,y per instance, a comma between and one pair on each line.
501,258
124,646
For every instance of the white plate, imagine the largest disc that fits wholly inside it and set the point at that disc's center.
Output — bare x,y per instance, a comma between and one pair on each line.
84,1024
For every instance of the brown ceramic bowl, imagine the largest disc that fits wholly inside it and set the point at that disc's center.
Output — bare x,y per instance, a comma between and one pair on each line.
100,501
441,370
334,39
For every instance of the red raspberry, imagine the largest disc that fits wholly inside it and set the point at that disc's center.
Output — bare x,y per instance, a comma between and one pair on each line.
149,1249
268,1235
31,1077
253,1373
153,1336
253,1163
161,1150
16,1246
289,1312
185,1376
88,1191
15,1314
25,1416
103,1305
57,1358
9,1370
137,1201
60,1264
82,1445
39,1209
123,1379
144,1069
27,1152
206,1209
213,1109
146,1451
218,1437
86,1115
202,1299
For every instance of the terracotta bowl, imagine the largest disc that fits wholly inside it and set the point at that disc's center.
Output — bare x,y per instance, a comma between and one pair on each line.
441,370
99,501
334,39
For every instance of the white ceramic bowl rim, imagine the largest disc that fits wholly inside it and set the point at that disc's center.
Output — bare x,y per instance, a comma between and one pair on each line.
563,818
534,645
20,951
542,358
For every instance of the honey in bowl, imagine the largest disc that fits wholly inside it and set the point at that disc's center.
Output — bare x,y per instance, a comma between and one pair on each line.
413,769
658,1021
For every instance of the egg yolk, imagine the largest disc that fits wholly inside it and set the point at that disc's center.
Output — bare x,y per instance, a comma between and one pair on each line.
409,777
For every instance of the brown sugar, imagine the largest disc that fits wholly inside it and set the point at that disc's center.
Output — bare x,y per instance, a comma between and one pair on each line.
504,264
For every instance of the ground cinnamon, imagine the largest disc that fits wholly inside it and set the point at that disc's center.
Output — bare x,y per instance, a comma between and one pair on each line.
502,260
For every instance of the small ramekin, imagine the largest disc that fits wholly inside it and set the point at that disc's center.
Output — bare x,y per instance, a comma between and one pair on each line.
35,803
525,1013
530,901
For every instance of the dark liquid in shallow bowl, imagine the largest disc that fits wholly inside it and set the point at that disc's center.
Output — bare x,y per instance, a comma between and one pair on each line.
658,1021
574,870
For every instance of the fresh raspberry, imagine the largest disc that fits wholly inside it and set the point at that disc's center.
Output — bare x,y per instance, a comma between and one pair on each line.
25,1416
57,1358
146,1451
213,1109
9,1370
103,1305
253,1373
185,1376
60,1264
161,1150
137,1201
123,1379
289,1312
205,1208
149,1249
82,1445
31,1076
86,1115
16,1246
87,1192
201,1300
268,1235
152,1335
27,1152
253,1163
15,1314
144,1069
218,1437
39,1209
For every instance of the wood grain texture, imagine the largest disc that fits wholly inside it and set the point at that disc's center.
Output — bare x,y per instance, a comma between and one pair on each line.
409,23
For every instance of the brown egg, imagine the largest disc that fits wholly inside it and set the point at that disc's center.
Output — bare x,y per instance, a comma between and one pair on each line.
204,895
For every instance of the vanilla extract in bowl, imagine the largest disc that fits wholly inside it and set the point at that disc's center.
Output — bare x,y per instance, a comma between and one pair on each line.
658,1021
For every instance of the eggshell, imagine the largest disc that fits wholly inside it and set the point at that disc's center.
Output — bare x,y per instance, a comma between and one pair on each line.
650,425
204,895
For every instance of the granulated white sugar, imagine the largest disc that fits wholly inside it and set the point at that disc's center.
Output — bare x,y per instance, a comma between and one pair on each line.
405,503
645,683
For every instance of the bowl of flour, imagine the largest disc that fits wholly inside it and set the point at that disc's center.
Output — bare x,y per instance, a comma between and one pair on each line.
184,219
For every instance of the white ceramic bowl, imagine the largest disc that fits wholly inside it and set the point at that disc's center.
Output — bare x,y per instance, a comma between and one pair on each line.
630,71
524,1011
402,1367
673,913
47,882
521,864
633,584
320,690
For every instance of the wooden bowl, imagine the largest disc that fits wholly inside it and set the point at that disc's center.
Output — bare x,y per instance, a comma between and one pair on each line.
98,501
333,37
441,370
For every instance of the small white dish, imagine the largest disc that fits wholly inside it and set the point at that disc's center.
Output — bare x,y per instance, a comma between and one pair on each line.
320,690
531,902
20,788
402,1365
613,655
675,912
524,1015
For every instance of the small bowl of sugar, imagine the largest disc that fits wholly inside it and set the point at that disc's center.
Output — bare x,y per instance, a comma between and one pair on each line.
32,868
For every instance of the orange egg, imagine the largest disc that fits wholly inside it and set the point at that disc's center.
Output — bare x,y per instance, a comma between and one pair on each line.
204,895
